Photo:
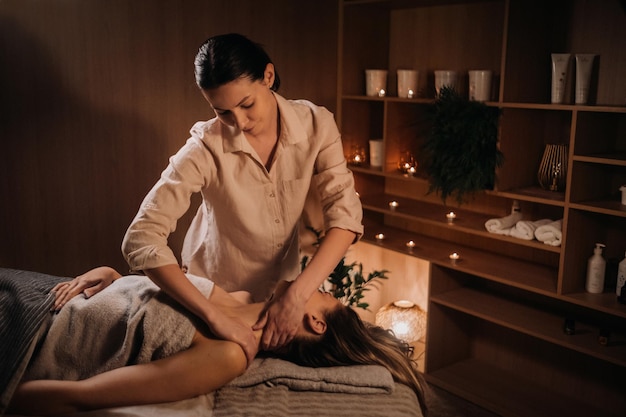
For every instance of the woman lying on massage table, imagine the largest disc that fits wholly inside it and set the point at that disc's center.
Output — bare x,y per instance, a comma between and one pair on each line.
330,335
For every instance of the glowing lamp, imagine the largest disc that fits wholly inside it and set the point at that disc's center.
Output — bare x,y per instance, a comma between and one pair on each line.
404,318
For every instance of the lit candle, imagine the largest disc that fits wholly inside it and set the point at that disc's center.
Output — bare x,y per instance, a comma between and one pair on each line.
451,216
357,156
380,237
410,94
412,171
406,162
381,92
410,245
454,257
393,205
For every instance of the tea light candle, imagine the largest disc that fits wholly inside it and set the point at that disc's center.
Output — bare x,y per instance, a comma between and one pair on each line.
451,216
380,237
381,92
407,164
393,205
357,157
410,94
454,257
410,245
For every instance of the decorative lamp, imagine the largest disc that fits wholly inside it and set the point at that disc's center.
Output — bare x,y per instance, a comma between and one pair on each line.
406,319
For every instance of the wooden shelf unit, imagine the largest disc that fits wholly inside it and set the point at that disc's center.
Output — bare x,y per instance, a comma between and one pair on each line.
495,333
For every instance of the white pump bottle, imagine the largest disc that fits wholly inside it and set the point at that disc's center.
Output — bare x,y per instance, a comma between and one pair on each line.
621,278
596,267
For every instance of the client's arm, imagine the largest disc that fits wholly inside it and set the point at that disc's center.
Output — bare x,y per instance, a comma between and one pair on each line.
89,283
207,365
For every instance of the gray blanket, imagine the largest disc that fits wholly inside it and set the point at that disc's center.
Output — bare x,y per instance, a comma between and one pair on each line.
130,322
25,301
274,387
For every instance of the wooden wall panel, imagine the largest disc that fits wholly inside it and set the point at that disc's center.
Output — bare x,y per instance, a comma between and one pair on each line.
96,95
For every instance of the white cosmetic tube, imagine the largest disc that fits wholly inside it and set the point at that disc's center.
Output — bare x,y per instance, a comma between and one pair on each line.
584,65
560,65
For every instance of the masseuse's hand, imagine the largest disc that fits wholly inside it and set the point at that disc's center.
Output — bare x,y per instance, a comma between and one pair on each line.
235,330
89,283
280,321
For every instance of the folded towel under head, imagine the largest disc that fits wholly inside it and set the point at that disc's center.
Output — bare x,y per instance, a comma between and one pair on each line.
356,379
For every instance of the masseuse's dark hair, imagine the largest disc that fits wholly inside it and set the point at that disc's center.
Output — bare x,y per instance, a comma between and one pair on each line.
225,58
350,341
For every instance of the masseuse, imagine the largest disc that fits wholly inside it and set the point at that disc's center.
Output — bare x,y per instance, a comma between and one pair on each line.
253,164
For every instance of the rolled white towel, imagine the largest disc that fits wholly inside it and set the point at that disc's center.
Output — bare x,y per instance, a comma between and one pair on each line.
503,225
525,229
550,233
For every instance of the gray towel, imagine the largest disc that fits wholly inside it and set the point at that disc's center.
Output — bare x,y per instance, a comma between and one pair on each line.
357,379
130,322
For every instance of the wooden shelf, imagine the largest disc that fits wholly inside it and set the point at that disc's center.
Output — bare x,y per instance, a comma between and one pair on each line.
605,302
533,194
434,214
617,159
509,394
517,273
537,323
496,315
564,107
394,99
610,208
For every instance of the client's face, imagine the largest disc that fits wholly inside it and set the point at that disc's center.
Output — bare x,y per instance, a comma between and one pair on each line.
315,309
323,301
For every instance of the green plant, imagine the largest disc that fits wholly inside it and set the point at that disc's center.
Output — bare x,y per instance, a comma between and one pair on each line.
461,151
347,282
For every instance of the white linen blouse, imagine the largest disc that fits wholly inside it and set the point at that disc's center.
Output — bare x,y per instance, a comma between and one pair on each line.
244,235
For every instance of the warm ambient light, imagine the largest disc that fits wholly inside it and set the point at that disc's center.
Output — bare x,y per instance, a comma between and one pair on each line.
404,318
454,257
410,244
382,92
393,205
451,216
380,237
407,164
357,157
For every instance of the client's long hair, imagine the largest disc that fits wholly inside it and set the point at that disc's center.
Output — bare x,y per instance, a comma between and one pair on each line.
350,341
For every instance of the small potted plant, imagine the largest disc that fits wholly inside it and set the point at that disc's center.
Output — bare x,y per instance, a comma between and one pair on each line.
347,282
461,152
